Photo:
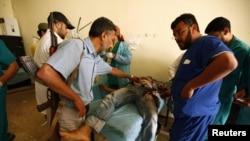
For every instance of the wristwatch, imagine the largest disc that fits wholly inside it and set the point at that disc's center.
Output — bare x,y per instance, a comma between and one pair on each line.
132,76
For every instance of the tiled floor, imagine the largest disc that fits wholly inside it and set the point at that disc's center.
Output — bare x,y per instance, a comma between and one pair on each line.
26,122
24,119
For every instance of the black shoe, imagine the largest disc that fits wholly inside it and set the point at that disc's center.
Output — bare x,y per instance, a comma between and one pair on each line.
11,136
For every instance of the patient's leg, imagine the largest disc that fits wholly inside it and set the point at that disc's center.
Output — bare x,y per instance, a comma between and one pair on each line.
80,134
147,107
97,119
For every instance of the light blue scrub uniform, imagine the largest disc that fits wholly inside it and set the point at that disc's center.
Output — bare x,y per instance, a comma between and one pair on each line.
121,61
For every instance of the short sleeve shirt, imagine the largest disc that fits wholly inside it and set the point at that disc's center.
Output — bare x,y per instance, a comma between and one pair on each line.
205,99
6,57
68,56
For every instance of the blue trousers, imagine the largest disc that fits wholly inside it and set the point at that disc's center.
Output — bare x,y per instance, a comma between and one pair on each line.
145,103
190,128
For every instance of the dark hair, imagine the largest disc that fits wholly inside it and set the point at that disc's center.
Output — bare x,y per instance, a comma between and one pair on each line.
187,18
218,24
39,32
101,25
59,17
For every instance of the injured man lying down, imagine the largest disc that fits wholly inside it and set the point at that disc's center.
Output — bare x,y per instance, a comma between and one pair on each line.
146,95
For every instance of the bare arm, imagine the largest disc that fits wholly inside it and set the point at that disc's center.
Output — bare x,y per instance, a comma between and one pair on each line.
219,67
105,88
54,81
243,102
10,72
240,94
116,72
240,98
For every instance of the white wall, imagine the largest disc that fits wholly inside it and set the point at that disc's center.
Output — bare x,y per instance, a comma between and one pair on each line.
6,8
149,20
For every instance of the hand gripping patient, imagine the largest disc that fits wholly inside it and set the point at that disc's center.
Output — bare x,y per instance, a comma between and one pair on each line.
145,94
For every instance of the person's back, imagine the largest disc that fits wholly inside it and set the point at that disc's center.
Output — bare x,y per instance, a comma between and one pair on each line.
41,54
221,28
42,29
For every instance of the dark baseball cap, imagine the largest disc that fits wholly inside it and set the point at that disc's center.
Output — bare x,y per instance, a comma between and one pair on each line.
58,16
42,26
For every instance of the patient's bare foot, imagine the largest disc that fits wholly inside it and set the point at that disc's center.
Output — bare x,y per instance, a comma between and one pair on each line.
80,134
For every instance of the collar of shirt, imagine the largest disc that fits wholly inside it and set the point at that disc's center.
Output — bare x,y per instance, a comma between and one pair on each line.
89,46
59,39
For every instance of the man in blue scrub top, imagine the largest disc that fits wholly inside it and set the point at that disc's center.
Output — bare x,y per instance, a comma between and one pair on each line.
68,55
197,82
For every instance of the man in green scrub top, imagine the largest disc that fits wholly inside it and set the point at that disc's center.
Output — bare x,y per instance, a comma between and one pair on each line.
220,27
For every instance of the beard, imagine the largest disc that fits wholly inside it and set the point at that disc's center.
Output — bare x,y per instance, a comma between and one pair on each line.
187,41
